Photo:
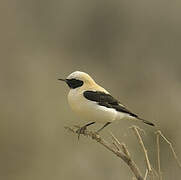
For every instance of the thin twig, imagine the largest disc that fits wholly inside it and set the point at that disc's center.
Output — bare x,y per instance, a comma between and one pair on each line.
115,139
116,146
124,149
171,147
146,174
121,145
158,155
135,129
118,153
155,172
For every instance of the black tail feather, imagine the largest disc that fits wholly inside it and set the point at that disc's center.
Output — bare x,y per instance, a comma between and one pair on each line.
146,122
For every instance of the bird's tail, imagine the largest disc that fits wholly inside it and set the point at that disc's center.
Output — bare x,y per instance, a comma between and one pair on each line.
146,122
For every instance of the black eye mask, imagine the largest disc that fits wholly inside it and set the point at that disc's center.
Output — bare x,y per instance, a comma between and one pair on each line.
74,83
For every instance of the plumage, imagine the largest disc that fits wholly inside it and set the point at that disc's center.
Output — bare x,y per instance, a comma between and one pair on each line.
104,99
93,103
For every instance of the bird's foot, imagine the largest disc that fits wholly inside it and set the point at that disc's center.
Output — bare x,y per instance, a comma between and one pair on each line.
81,130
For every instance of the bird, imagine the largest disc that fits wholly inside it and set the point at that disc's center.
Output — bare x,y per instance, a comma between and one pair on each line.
94,104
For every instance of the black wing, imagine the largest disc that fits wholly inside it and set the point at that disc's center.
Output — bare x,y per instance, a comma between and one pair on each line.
107,100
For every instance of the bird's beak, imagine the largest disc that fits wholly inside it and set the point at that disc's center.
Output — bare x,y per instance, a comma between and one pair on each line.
62,80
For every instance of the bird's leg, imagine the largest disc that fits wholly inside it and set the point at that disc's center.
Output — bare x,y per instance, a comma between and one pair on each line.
103,127
82,129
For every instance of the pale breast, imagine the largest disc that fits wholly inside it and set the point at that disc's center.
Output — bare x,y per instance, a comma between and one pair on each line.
74,100
89,110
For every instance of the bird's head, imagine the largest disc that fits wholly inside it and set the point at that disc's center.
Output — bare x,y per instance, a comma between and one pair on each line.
78,79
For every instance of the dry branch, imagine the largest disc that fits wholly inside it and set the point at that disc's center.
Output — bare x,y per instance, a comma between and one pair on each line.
158,155
135,129
146,174
121,151
158,135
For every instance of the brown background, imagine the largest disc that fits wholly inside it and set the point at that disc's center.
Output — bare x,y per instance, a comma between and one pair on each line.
132,48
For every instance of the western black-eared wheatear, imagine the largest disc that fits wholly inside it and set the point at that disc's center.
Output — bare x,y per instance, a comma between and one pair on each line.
92,103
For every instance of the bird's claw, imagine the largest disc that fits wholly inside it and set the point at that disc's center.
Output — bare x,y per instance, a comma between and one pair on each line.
81,130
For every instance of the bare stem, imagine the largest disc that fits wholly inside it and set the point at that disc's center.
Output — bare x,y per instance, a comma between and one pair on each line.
135,129
158,155
171,147
146,174
124,155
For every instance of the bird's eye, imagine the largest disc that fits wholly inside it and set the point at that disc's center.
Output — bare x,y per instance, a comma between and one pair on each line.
74,83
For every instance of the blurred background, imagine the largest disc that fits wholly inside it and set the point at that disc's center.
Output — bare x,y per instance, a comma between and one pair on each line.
132,48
